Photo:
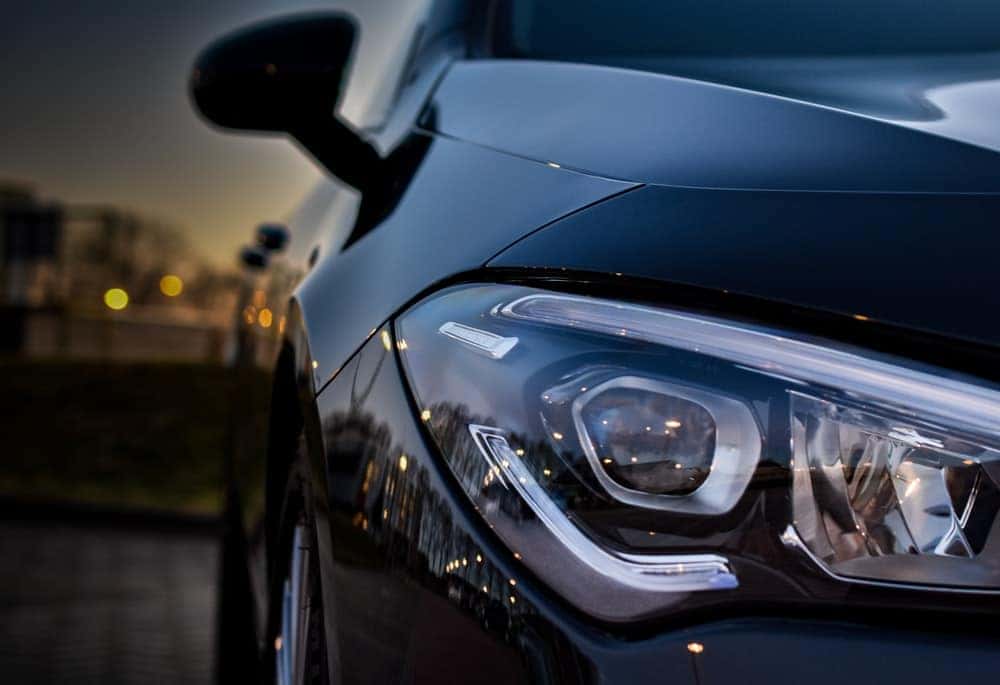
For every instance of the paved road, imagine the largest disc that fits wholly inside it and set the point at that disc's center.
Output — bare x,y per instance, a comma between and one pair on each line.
88,603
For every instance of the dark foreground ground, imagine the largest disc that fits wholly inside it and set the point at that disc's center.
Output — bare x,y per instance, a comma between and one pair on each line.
111,481
96,601
123,435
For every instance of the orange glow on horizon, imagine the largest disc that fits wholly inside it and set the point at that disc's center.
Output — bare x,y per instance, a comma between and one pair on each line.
171,285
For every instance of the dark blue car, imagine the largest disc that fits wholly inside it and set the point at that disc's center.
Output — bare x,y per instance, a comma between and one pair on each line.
631,342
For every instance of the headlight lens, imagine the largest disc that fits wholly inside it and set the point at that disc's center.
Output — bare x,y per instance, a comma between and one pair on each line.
632,456
644,440
879,496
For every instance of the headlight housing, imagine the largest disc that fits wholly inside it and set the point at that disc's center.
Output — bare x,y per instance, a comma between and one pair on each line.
636,458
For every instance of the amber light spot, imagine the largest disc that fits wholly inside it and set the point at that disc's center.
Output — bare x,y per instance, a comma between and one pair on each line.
171,285
265,317
696,647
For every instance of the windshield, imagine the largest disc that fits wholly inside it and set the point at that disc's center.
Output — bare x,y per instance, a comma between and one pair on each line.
567,29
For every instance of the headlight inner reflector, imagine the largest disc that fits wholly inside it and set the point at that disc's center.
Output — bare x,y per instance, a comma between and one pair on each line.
877,497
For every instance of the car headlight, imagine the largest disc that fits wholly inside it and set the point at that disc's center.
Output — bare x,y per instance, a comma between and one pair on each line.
635,457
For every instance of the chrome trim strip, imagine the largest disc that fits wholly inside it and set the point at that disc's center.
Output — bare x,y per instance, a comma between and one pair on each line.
492,344
790,538
657,573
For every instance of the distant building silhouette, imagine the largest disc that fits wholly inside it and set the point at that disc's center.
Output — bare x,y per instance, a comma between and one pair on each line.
58,261
31,234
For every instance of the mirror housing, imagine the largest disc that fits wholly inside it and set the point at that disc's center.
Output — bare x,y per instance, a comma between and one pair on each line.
286,75
270,75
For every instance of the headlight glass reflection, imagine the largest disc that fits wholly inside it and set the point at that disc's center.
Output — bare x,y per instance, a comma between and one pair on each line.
636,457
878,496
647,440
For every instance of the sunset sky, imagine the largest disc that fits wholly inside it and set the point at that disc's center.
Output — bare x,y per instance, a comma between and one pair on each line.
95,110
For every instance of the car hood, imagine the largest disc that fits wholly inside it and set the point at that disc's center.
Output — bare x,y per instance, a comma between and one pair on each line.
953,96
890,124
913,260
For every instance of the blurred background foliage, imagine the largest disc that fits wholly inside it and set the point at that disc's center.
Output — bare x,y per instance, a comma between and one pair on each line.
132,368
138,435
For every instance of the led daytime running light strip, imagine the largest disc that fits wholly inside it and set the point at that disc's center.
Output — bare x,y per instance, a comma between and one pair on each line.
961,403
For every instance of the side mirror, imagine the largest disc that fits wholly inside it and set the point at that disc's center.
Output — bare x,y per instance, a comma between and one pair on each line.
286,75
254,258
272,237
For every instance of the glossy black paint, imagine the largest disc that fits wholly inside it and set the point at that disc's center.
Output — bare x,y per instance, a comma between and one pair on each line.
286,75
267,76
394,527
852,200
913,260
659,129
460,206
935,93
397,520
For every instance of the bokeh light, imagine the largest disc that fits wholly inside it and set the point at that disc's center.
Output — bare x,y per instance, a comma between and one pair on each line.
265,317
171,285
116,299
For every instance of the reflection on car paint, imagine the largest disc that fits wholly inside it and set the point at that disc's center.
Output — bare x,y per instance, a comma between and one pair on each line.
408,563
